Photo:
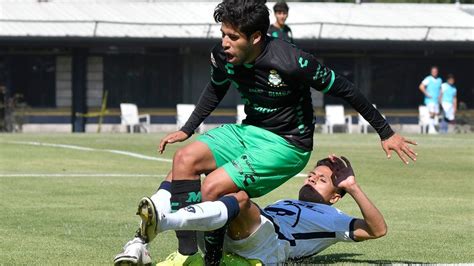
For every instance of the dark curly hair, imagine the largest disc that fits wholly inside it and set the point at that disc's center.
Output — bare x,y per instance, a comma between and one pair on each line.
281,6
248,16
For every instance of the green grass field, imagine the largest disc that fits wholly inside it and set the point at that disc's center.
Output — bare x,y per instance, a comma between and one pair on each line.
69,206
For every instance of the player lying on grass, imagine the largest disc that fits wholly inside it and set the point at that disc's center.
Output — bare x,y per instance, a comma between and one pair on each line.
287,229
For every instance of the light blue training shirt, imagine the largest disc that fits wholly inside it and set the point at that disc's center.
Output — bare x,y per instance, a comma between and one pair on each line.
433,88
449,92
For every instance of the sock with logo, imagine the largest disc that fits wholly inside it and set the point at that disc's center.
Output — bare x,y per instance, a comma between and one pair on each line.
183,194
214,240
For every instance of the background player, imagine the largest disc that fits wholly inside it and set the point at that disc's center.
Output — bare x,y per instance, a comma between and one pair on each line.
279,29
431,87
287,229
449,102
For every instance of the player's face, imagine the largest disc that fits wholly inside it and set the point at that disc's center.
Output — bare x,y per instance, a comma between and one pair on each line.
237,47
434,72
318,187
281,17
451,81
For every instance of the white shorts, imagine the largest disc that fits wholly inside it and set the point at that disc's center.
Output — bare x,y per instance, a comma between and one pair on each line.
433,107
263,245
448,109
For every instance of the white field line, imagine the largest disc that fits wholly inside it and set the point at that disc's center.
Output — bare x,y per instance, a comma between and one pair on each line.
81,148
80,175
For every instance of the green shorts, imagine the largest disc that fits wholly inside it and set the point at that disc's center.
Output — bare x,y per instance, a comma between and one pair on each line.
257,160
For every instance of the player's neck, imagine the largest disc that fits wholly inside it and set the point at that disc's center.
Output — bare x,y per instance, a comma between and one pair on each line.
255,52
278,26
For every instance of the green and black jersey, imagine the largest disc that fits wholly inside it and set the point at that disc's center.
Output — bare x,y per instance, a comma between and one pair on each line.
281,33
276,91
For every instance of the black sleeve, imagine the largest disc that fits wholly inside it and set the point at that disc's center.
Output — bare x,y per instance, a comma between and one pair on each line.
345,89
212,94
210,98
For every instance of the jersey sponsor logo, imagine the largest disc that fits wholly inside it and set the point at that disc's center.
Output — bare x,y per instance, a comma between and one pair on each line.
278,93
275,80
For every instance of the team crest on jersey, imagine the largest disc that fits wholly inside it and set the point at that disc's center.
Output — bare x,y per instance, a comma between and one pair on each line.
274,79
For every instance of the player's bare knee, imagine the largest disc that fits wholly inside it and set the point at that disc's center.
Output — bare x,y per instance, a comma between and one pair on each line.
210,191
185,160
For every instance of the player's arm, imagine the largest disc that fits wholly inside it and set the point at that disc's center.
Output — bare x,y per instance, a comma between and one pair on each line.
422,88
327,81
373,225
208,101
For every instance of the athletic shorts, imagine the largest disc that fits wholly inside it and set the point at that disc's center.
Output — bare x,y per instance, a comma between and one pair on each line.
433,107
263,245
257,160
448,109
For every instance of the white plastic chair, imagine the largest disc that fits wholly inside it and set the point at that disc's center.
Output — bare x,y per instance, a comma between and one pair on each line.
424,119
241,115
335,116
183,112
131,119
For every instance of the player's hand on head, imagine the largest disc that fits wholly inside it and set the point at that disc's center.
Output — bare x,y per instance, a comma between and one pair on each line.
399,144
177,136
344,176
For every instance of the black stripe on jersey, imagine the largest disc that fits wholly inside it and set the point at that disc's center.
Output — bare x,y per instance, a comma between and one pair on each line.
277,229
351,229
314,235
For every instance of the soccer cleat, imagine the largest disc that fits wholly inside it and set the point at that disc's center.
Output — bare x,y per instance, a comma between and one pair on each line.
135,252
149,226
230,259
176,259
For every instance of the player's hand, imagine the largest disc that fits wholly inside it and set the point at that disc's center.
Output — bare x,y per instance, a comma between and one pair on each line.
177,136
399,144
344,176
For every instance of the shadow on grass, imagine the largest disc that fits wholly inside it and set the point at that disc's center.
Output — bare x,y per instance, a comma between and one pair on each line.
349,258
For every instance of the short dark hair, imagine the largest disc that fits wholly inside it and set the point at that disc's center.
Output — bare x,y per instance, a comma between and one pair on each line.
281,6
449,76
248,16
327,162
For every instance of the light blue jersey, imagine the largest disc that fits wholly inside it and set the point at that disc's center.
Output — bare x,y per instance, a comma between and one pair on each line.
449,92
433,88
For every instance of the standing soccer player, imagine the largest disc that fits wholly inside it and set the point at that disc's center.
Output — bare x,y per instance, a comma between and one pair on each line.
449,102
274,142
279,29
430,87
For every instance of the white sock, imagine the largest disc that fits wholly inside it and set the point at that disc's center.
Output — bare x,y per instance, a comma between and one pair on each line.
205,216
161,199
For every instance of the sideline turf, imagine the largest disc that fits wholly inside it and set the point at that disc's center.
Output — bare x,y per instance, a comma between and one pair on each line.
429,205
